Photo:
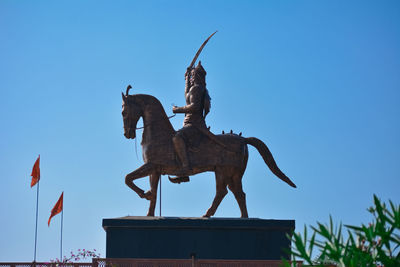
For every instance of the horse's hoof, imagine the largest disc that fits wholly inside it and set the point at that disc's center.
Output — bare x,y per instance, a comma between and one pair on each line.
206,216
141,194
148,195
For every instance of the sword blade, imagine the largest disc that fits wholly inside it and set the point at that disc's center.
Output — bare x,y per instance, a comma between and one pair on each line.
200,49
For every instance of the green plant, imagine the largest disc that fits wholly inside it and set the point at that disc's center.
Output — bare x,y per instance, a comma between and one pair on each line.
375,244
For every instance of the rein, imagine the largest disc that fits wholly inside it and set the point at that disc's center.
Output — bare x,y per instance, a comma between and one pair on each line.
144,126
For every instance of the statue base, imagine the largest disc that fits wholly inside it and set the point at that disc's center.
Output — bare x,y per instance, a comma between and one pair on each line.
202,238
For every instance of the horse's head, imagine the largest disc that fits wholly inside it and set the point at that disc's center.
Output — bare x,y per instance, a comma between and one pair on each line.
131,113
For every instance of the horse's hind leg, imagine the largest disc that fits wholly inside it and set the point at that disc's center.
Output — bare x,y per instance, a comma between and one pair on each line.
235,186
221,192
152,193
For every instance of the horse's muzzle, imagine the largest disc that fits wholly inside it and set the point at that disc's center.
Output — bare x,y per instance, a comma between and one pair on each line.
129,133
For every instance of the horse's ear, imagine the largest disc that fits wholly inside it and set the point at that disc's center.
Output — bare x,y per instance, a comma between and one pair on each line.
124,97
127,89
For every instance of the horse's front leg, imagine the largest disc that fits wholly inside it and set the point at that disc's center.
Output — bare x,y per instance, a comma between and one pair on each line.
152,193
143,171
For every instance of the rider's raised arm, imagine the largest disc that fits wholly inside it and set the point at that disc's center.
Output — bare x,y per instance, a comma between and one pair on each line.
187,83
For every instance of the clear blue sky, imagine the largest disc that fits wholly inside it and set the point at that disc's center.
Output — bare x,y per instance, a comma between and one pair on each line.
317,81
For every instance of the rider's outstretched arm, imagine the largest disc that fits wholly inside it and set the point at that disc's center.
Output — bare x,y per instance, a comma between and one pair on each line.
196,95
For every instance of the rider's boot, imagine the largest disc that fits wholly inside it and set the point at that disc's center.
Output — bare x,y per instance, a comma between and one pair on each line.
179,179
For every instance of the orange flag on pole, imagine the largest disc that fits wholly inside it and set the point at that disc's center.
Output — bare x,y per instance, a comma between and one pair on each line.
35,172
58,207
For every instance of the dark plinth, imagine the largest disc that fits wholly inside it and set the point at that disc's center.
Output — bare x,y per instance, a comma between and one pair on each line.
206,238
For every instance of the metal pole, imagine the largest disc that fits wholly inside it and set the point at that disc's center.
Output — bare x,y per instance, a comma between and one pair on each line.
37,212
160,195
62,219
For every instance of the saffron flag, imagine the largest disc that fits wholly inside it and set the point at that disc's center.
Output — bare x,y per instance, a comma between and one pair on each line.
35,172
58,207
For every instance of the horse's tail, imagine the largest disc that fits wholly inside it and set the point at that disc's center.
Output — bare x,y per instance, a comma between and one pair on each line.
268,159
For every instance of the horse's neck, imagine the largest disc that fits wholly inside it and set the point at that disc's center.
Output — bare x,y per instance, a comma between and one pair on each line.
157,127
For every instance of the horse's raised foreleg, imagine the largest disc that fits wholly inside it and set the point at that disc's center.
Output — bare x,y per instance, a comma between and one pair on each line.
143,171
152,193
221,192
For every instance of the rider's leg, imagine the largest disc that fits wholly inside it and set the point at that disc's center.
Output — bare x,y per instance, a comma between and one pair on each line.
180,149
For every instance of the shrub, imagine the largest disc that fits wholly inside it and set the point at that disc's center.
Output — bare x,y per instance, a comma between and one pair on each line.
375,244
81,254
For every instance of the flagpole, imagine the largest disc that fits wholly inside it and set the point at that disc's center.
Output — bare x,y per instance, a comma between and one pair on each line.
160,196
62,219
37,212
58,207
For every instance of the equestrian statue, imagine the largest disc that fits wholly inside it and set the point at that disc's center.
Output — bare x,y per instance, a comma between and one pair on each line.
194,148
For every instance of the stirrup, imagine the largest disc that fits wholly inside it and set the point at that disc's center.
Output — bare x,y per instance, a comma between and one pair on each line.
179,179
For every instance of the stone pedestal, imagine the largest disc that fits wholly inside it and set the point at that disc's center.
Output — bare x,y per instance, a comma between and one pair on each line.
203,238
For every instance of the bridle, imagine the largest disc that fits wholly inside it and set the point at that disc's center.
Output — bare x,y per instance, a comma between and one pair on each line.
144,126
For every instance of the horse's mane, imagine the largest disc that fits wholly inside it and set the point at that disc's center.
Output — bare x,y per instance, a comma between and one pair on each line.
145,100
149,101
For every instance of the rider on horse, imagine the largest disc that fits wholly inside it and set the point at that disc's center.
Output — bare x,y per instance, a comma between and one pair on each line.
198,103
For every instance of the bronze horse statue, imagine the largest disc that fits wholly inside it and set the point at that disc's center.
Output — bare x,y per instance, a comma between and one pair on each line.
227,158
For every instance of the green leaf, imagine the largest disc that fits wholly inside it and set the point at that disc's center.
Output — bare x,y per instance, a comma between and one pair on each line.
311,244
353,227
323,231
